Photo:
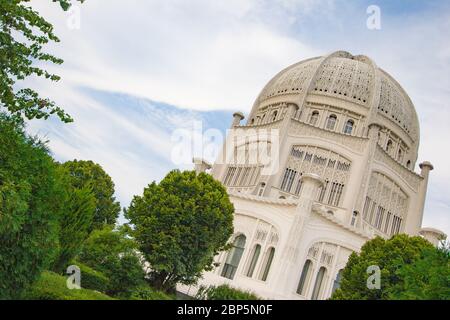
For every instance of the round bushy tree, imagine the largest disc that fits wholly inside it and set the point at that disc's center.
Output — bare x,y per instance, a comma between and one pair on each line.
115,255
390,256
91,175
31,198
180,225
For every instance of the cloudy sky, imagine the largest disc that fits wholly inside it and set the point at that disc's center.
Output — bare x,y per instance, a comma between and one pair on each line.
137,70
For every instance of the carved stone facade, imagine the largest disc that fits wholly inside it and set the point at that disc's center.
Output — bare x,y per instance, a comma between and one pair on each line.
345,152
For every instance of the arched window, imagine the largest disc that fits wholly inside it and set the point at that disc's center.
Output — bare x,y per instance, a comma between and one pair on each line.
319,283
349,127
254,261
301,289
408,164
354,217
274,115
337,281
263,117
253,121
261,189
400,155
331,122
267,263
314,118
389,146
234,257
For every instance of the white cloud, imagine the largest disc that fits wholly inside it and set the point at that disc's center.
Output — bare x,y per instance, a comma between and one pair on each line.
210,55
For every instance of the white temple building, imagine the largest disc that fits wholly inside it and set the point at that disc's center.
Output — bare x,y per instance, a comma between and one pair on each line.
342,137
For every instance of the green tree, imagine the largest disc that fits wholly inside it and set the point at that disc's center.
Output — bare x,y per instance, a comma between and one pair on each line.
390,256
180,225
115,255
427,278
31,193
75,223
87,174
23,34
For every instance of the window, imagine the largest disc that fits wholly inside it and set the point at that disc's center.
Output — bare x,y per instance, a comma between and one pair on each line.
349,127
234,257
354,217
268,263
288,180
337,281
261,189
304,277
400,155
314,118
408,164
331,122
274,115
319,282
389,146
254,261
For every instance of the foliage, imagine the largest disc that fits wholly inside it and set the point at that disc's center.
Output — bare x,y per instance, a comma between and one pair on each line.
390,255
180,225
148,293
427,278
224,292
92,279
31,193
115,255
87,174
74,225
23,33
51,286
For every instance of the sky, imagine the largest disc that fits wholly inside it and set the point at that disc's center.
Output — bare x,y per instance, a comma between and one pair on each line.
137,71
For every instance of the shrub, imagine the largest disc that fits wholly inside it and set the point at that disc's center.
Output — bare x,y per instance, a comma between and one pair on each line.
92,279
148,293
114,254
51,286
224,292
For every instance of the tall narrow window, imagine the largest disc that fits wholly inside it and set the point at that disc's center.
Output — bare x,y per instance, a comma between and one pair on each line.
348,129
400,155
254,261
331,122
354,217
274,115
262,187
389,146
234,257
337,281
318,284
301,289
288,180
268,263
314,118
408,164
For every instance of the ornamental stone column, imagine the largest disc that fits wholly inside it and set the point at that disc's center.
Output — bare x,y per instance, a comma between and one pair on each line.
414,222
290,262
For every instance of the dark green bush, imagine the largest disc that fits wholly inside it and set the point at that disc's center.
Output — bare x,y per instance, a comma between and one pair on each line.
148,293
92,279
224,292
51,286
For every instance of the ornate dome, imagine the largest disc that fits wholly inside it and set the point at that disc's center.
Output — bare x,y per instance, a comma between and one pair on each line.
355,79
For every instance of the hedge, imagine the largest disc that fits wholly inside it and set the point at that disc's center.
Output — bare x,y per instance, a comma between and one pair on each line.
51,286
